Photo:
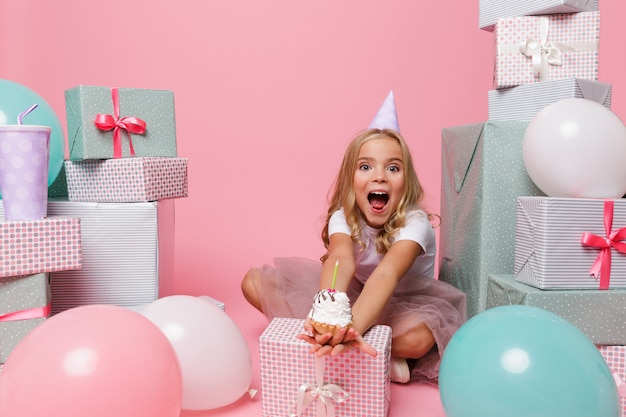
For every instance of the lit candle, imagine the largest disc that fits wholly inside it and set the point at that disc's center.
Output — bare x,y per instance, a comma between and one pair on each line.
332,284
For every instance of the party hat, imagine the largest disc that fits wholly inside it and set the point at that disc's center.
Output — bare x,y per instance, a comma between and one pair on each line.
386,118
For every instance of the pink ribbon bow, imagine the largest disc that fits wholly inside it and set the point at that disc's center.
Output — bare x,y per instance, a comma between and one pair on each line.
30,313
602,265
128,124
325,394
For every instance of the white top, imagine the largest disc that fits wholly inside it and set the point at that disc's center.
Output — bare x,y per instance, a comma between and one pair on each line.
418,229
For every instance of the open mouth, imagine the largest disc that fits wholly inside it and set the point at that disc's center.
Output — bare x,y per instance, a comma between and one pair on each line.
378,199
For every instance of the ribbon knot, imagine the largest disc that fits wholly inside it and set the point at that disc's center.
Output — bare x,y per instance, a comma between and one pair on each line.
129,125
602,265
325,395
542,52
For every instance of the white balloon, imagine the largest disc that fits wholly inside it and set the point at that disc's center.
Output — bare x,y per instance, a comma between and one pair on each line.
215,362
576,148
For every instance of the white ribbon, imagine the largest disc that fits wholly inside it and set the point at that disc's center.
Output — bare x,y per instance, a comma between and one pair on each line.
621,386
544,53
325,394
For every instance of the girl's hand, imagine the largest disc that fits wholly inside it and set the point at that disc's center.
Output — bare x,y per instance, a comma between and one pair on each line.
343,341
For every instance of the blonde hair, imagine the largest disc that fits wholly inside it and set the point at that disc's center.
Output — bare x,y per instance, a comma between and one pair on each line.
343,195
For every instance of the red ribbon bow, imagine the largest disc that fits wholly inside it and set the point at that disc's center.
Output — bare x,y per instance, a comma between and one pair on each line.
128,124
602,265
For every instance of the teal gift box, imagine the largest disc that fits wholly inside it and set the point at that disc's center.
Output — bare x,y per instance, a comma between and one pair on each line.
483,173
153,108
600,315
24,303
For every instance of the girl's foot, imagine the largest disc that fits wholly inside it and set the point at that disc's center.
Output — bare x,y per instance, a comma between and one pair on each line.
399,370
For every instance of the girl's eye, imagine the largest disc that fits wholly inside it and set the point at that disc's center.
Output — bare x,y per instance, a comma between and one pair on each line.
394,168
364,167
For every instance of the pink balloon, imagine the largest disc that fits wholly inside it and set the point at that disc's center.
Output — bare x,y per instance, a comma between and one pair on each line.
576,148
96,361
213,354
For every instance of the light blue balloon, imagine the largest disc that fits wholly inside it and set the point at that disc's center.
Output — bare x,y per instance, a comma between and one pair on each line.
521,361
16,98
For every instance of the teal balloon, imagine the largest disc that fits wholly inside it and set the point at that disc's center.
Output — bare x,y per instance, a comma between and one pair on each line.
521,361
16,98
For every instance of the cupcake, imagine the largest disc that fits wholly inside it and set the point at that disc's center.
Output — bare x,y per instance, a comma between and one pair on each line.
331,311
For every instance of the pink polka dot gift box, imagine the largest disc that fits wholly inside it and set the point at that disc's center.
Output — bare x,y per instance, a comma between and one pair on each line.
295,382
35,246
126,180
615,357
532,49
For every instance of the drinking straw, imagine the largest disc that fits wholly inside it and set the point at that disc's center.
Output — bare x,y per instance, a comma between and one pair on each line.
25,112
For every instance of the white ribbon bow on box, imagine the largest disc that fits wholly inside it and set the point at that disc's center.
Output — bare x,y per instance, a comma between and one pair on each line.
325,394
544,53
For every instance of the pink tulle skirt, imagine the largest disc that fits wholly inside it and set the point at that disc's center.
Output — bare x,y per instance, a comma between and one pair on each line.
287,289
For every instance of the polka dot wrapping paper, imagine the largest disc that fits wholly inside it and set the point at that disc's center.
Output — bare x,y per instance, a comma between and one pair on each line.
548,251
566,45
288,367
126,179
29,294
35,246
154,107
600,315
483,173
615,357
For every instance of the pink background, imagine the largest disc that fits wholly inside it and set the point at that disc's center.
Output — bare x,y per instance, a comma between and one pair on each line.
268,94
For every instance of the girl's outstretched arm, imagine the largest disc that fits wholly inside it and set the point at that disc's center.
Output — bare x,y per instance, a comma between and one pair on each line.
381,284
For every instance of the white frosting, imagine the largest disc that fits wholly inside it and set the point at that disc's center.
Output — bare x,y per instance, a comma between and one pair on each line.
331,307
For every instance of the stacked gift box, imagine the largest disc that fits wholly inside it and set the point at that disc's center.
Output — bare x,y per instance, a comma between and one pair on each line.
503,241
121,179
30,250
108,234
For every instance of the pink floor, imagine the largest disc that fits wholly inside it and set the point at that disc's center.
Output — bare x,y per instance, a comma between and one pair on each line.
413,400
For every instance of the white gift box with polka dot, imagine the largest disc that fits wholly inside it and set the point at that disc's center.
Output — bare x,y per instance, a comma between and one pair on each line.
126,179
154,107
600,315
490,10
548,249
28,293
287,367
35,246
576,35
483,173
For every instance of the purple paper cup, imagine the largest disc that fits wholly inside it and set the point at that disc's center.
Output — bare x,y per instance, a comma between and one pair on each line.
24,156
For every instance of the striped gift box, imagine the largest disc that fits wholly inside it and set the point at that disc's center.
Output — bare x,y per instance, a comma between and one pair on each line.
360,383
525,101
532,49
127,254
549,253
489,11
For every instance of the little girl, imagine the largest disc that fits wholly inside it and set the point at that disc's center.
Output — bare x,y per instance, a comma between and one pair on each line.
385,246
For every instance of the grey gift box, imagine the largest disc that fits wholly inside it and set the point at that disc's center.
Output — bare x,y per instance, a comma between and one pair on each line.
86,141
483,173
600,315
18,294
